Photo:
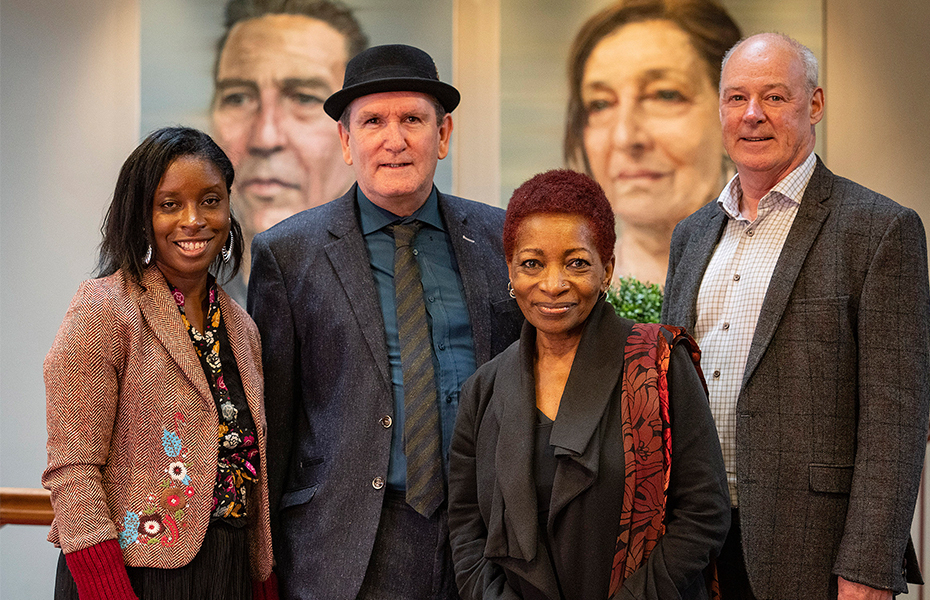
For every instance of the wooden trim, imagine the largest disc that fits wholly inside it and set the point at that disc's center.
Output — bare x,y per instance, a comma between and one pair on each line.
25,506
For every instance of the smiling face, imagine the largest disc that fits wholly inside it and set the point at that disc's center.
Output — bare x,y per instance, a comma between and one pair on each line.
768,113
272,78
190,218
652,136
556,273
393,143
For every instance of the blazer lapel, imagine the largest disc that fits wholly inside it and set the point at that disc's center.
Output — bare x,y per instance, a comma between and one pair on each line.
468,257
596,373
349,258
161,313
512,529
807,224
513,524
694,260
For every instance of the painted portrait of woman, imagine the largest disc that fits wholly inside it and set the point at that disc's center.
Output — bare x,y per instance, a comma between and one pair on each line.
642,118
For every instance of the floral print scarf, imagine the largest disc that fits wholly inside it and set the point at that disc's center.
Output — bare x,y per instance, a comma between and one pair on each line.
647,441
238,450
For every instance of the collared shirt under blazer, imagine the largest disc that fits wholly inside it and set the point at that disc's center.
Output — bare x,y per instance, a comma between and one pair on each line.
833,406
121,368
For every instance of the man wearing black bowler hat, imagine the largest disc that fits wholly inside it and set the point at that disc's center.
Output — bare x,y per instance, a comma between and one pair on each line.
373,310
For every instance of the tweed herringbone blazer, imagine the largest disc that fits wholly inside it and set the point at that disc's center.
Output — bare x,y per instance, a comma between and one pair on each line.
132,425
832,412
328,384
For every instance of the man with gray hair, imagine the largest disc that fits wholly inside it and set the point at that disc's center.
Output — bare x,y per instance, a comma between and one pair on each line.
808,295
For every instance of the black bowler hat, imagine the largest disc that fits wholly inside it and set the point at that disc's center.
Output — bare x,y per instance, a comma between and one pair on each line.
391,68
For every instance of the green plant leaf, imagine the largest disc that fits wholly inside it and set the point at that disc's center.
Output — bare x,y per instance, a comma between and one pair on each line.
635,300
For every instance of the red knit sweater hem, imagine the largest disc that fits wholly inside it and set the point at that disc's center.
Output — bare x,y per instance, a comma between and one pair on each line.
100,573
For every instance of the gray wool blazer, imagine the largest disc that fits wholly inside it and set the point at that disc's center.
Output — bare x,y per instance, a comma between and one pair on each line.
832,414
313,297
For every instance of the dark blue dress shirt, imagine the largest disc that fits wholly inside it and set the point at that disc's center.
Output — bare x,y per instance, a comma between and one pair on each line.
446,313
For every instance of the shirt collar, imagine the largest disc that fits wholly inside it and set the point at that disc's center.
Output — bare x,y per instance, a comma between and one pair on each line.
792,187
374,218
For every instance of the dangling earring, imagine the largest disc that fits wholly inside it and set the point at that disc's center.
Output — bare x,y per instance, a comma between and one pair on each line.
510,289
147,259
227,249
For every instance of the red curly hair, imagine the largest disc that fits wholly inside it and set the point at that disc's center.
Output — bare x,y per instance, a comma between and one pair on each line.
561,191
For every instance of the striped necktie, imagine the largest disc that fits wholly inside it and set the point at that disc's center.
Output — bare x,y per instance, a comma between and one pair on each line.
422,435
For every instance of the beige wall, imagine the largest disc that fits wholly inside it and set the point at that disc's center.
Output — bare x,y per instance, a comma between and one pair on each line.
878,119
877,102
69,116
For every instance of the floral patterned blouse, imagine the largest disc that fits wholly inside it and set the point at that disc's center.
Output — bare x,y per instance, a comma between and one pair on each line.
238,449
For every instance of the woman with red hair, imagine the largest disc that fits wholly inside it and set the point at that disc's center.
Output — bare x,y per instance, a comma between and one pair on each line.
585,463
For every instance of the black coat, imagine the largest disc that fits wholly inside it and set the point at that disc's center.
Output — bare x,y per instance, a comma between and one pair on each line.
493,514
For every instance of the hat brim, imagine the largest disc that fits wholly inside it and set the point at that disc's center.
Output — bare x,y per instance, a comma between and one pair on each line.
447,95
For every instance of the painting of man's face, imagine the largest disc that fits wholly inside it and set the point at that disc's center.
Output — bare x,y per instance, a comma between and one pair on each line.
273,75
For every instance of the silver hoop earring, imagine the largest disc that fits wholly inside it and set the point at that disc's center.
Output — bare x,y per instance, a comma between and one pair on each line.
147,259
510,289
227,249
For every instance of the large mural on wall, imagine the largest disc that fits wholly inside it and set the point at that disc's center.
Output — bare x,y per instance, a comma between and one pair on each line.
255,73
623,90
626,90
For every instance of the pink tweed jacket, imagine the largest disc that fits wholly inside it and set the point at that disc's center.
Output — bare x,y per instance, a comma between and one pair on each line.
132,426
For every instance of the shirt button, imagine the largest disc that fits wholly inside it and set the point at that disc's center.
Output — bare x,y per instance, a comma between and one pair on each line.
386,421
716,373
377,483
442,346
736,277
449,399
750,232
416,252
726,326
431,299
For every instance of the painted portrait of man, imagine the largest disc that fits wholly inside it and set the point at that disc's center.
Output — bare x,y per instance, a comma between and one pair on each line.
276,64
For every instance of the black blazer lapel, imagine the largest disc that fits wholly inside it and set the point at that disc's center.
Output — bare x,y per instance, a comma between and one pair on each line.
513,529
469,256
161,313
807,225
694,260
349,259
596,373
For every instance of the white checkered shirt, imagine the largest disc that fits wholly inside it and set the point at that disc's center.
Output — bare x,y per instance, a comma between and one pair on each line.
732,291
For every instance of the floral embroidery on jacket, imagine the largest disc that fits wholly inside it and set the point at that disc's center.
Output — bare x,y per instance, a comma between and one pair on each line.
163,518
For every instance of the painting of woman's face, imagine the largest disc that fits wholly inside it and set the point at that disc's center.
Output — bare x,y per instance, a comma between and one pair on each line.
652,136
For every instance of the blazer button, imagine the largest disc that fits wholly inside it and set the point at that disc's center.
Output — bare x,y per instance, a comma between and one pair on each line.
386,421
377,483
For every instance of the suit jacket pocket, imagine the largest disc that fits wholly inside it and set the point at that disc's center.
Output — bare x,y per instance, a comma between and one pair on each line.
832,479
819,304
297,497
